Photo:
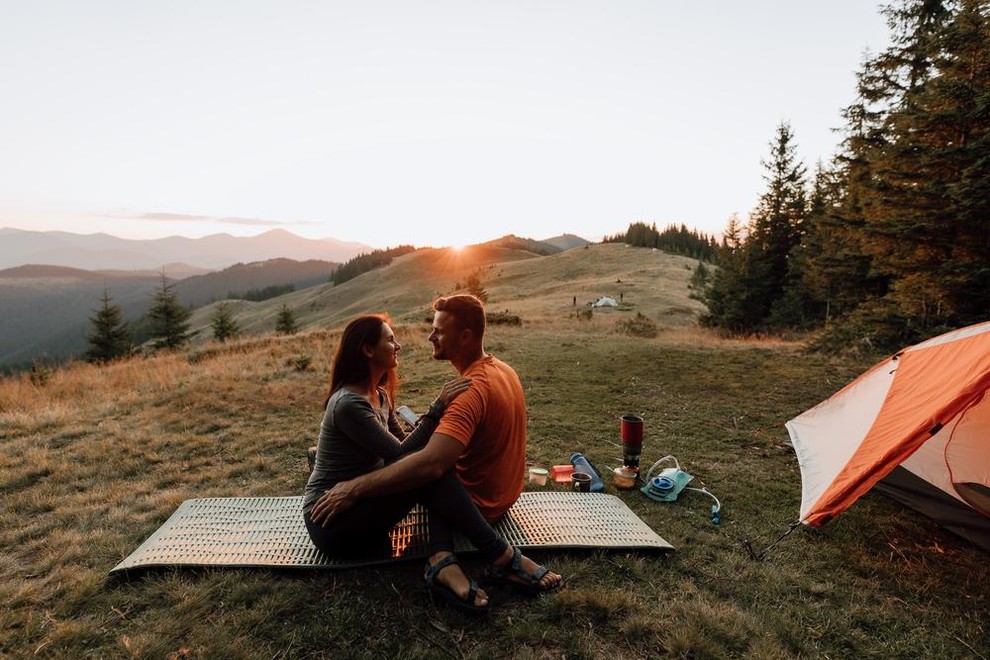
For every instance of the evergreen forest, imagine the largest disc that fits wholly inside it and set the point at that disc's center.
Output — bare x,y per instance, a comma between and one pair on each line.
888,243
675,239
368,261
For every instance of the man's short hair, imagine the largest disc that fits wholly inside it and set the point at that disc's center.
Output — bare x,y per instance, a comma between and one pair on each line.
467,310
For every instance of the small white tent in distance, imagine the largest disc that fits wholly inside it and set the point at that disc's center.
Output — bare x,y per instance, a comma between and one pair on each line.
917,426
605,301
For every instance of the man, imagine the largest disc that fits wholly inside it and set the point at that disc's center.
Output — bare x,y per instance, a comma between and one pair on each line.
482,434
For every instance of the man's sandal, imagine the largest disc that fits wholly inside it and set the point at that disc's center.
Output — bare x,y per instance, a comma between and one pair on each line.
514,575
441,590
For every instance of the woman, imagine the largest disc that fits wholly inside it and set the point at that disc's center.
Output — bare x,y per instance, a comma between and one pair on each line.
359,434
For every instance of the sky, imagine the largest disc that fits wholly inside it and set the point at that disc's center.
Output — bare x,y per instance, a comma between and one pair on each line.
402,122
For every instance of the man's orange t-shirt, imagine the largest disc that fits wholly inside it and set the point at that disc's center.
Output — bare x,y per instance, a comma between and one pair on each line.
489,419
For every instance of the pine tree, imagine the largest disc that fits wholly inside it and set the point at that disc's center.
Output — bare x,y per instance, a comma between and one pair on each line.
169,319
285,322
223,323
699,282
840,274
925,213
475,287
727,296
776,226
111,338
754,272
674,239
831,268
965,77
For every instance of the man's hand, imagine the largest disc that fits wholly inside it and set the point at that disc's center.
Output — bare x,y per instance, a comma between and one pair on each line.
333,502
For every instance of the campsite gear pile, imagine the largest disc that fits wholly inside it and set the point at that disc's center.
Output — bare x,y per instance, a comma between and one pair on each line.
916,426
667,483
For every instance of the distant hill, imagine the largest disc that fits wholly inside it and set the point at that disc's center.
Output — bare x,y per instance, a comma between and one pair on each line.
566,241
539,288
42,271
103,252
513,242
174,271
46,309
241,279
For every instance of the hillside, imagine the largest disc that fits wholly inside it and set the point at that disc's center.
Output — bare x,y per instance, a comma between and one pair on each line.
513,242
242,278
539,289
52,273
47,308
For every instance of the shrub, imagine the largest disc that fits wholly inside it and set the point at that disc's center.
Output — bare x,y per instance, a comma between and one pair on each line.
300,362
640,326
502,318
40,373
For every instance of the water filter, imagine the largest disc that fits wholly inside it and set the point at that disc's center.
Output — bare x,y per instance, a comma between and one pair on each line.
582,464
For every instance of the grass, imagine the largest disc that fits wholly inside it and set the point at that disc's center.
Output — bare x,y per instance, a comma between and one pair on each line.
95,459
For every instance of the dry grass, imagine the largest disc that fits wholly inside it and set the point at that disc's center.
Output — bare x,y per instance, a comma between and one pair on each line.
96,459
541,290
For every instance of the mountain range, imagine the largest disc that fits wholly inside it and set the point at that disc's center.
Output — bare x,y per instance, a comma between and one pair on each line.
104,252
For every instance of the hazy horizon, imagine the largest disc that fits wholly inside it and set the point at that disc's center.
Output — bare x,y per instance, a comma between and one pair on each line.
263,231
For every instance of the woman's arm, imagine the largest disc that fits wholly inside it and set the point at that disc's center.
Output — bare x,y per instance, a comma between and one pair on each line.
428,421
393,422
356,419
424,429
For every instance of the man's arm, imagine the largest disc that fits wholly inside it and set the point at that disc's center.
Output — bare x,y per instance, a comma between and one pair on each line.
407,473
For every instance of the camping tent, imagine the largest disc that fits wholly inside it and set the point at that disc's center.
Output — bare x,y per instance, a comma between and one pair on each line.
917,425
605,301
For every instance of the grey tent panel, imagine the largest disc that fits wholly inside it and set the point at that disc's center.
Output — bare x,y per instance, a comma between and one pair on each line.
915,492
